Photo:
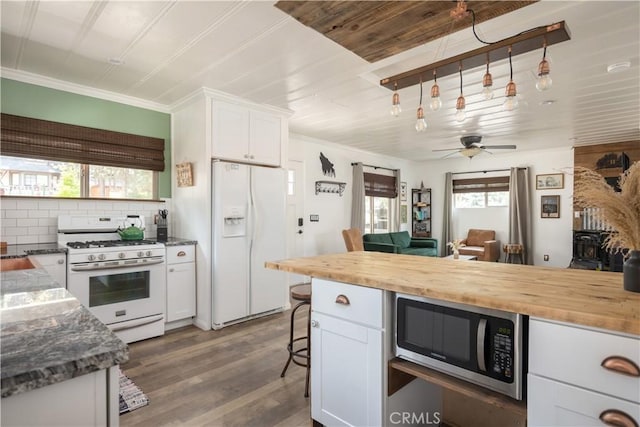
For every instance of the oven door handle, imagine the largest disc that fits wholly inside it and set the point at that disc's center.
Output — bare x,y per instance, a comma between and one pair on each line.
480,340
87,267
135,323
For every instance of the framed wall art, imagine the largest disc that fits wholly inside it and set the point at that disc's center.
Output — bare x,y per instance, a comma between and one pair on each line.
550,206
552,181
403,191
184,175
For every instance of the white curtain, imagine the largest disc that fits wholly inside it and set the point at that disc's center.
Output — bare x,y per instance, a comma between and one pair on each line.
520,211
357,200
395,226
447,226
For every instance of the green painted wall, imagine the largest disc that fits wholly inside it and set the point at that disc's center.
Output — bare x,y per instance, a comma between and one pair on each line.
23,99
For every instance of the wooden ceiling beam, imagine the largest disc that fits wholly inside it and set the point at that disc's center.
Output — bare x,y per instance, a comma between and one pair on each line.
521,43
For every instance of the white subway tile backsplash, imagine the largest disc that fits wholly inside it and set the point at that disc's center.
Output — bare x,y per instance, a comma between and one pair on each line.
26,204
35,231
68,204
47,238
26,222
47,221
17,213
87,205
27,239
38,214
16,231
53,229
11,240
9,222
104,206
48,204
7,204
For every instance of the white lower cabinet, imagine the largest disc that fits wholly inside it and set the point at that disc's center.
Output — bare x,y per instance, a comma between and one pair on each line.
346,386
577,376
181,282
55,265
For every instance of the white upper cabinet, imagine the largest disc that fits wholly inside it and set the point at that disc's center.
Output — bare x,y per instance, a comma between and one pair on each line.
242,134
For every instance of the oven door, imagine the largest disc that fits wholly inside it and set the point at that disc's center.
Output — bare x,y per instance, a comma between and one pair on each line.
120,294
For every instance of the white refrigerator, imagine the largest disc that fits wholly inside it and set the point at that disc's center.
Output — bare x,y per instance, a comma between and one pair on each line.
248,210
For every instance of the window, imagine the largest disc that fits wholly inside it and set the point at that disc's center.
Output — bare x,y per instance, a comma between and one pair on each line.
49,159
481,192
381,193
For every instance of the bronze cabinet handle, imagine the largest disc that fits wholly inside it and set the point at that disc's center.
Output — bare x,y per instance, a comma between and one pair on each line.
342,299
181,253
616,418
621,365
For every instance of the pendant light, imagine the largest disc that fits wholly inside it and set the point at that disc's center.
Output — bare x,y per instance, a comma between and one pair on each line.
421,123
460,103
544,80
487,83
511,100
395,107
435,103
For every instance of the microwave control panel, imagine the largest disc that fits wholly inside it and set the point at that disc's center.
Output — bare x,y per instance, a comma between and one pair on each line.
501,355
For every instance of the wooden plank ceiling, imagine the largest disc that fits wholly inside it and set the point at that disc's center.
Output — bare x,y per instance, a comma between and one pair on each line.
375,30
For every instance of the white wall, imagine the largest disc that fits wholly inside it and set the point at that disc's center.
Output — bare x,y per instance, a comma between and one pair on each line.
335,212
550,236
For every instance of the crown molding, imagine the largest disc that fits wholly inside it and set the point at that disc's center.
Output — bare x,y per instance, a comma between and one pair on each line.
51,83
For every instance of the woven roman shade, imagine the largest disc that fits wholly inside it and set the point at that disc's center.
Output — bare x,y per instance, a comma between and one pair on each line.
380,185
43,139
481,185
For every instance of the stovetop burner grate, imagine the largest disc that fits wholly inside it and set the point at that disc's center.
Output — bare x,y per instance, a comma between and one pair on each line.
109,243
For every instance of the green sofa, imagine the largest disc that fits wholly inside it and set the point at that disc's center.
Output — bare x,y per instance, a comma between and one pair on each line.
400,243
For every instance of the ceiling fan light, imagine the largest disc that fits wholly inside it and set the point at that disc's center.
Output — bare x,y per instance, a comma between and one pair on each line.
470,152
435,103
421,123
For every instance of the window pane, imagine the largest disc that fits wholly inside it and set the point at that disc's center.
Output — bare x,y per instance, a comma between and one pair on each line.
34,177
367,214
498,198
120,183
469,200
380,215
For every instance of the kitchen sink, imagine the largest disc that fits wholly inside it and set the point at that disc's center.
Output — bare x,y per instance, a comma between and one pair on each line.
10,264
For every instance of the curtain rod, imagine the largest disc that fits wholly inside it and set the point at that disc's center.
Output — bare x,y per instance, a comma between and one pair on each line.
375,167
488,170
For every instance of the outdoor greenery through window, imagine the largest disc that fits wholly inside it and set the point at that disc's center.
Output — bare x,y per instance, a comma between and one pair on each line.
481,192
377,214
49,178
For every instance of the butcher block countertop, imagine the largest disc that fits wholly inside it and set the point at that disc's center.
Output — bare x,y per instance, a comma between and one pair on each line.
583,297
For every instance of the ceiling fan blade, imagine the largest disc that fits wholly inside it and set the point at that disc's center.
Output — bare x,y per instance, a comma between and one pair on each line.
447,149
501,147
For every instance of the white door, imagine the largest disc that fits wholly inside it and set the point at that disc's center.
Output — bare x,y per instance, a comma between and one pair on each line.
346,377
230,275
267,238
295,216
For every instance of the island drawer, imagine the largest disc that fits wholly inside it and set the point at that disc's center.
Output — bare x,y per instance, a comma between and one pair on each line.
180,254
349,302
575,355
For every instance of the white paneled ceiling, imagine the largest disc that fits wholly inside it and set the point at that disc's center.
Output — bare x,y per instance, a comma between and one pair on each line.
253,50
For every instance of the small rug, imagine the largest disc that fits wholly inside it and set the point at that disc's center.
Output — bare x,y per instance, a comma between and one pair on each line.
131,397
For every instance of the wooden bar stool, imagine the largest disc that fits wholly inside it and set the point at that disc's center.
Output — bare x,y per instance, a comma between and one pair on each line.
300,356
511,250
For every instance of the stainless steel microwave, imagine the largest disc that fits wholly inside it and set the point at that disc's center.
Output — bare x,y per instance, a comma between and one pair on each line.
484,346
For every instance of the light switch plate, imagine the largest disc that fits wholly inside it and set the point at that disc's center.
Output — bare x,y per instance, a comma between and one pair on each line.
314,218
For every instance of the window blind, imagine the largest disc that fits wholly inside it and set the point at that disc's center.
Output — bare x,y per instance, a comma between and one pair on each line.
380,185
43,139
481,185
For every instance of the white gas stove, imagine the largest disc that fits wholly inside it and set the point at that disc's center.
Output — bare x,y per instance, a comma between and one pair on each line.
122,282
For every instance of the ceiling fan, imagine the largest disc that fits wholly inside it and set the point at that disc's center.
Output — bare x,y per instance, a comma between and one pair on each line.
472,146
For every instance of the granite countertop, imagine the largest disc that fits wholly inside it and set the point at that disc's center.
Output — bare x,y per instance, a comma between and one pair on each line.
14,251
47,335
177,241
581,297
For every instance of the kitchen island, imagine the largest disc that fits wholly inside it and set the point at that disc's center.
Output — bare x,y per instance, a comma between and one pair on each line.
59,362
576,313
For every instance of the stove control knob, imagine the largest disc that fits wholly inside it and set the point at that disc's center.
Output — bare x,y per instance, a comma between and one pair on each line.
121,255
101,257
91,257
148,253
141,254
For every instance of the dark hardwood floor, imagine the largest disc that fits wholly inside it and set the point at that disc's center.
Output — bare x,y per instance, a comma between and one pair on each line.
229,377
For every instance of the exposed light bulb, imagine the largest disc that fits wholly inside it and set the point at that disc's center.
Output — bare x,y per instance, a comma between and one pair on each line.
511,99
544,80
421,123
487,86
460,109
436,102
395,107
